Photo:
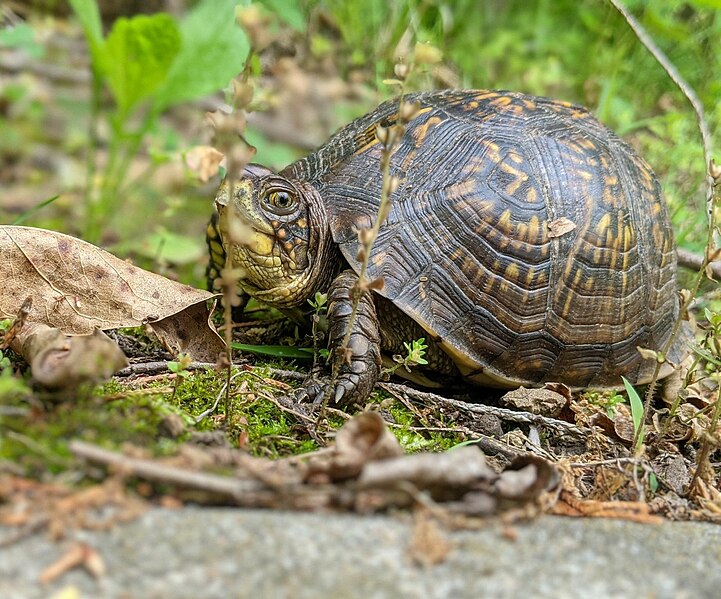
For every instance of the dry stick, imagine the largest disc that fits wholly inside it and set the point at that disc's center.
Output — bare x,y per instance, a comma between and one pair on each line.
560,427
691,96
367,237
151,368
694,261
230,488
223,392
702,456
161,367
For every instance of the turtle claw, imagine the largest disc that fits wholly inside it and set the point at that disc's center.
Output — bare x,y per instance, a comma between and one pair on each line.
317,391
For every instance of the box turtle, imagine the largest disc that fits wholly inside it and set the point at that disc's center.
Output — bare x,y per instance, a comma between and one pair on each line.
526,242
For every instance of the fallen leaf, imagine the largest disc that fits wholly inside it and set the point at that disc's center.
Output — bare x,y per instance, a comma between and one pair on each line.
525,478
536,401
452,470
560,226
619,427
428,545
633,511
61,361
362,439
77,288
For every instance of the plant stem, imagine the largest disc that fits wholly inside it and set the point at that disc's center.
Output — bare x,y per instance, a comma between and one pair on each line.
92,152
703,454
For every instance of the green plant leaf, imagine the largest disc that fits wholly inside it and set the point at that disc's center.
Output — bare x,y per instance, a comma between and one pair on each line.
652,482
21,36
137,57
636,408
213,51
288,11
167,245
277,351
89,16
715,4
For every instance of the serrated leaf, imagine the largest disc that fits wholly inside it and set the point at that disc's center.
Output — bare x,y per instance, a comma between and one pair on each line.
213,51
137,56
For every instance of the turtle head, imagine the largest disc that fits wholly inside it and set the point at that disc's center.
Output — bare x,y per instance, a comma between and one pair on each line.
274,229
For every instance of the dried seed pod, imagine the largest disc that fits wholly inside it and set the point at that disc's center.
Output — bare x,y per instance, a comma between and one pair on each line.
401,70
393,183
382,134
409,111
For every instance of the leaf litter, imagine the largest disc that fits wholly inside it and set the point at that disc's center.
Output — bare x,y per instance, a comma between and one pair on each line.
546,452
72,290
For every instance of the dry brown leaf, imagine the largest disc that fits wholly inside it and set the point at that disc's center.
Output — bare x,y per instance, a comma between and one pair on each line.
362,439
60,361
204,161
428,546
460,468
536,401
560,226
633,511
526,478
619,427
77,288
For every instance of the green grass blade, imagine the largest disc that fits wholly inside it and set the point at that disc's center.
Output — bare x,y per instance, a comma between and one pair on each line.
28,213
636,410
277,351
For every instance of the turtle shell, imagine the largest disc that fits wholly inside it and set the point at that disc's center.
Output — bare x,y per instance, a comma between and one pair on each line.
525,237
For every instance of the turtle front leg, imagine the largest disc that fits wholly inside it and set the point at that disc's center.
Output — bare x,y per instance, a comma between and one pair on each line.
357,368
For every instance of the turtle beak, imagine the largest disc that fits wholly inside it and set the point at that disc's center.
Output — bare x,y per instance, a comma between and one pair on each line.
222,197
239,220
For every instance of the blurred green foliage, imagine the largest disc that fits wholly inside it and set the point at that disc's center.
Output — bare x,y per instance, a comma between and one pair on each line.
149,63
577,50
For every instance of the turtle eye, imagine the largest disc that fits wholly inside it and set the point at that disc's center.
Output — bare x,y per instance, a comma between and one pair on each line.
281,202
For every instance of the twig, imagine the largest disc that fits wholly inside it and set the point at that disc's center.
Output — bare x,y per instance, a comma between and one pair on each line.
557,426
240,491
223,392
610,462
162,367
702,457
286,404
157,368
491,446
694,261
29,529
676,77
291,375
698,108
409,405
17,62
